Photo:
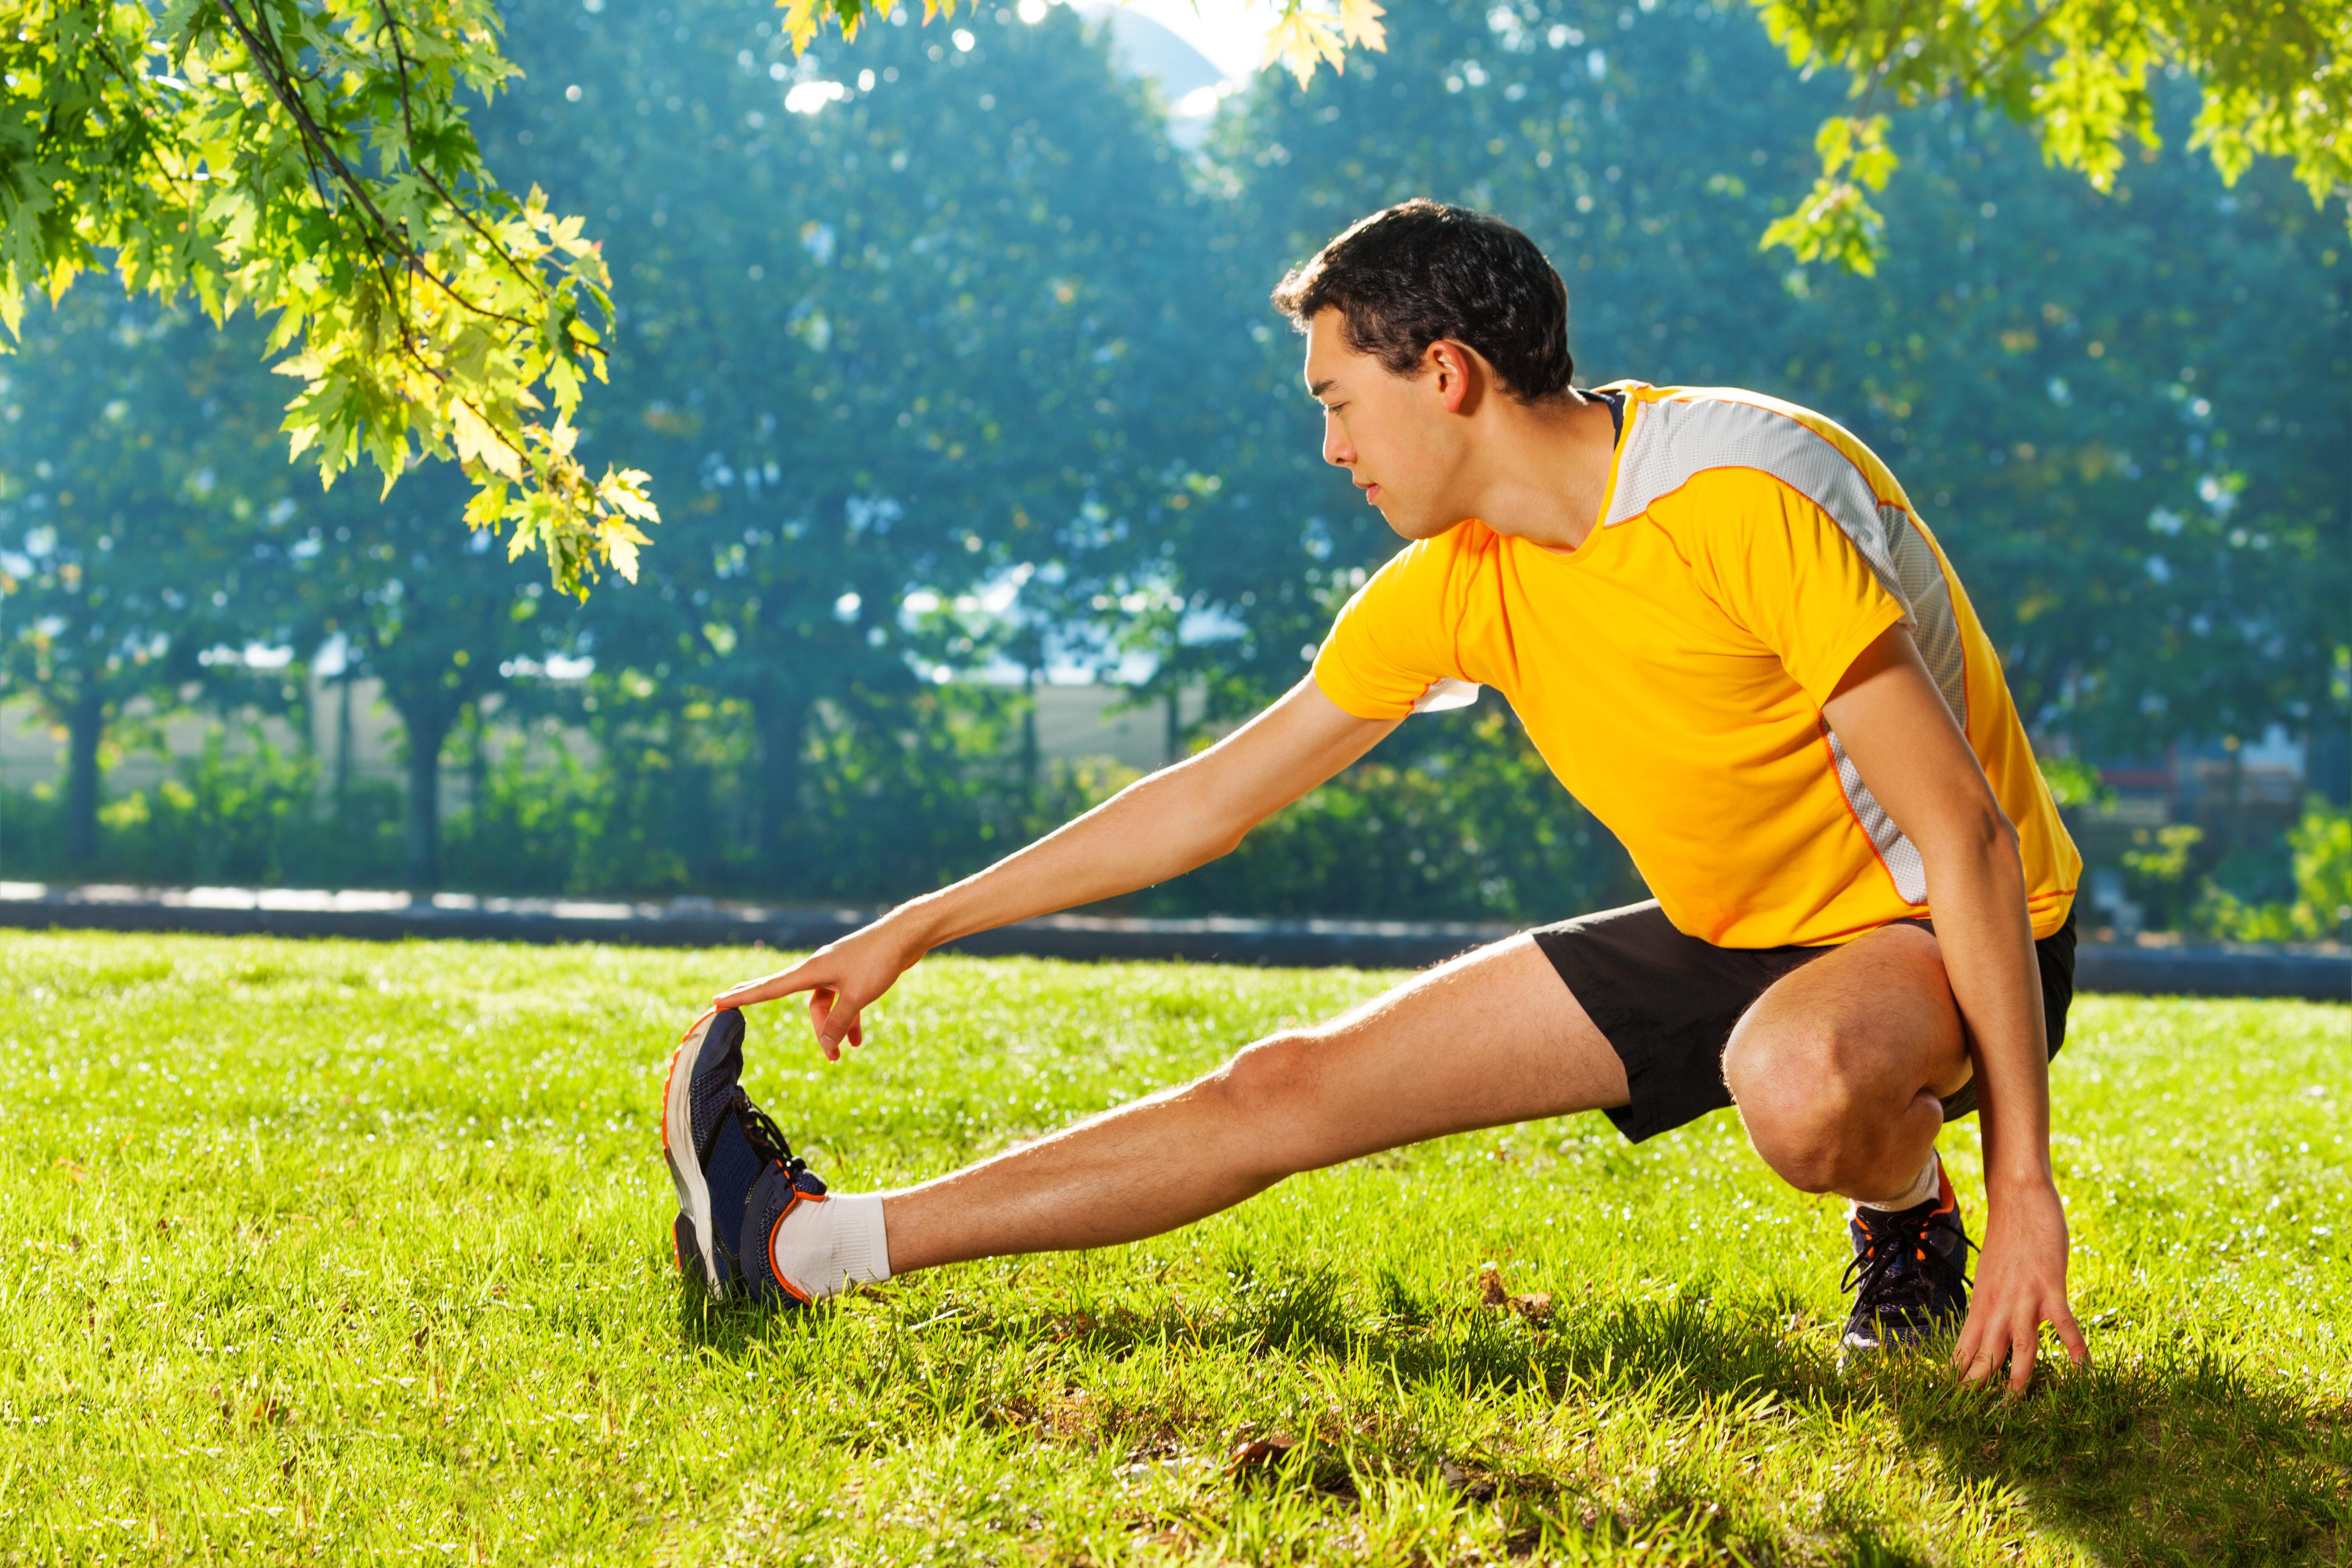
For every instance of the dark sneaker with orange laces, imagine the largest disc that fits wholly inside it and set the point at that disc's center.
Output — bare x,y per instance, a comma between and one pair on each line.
1909,1273
717,1145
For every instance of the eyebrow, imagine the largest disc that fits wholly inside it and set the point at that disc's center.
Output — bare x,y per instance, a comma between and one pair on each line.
1316,388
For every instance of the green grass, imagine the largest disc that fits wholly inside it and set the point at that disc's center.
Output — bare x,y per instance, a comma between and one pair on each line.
341,1253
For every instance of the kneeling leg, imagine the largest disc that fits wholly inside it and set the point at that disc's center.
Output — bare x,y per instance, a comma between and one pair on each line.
1839,1069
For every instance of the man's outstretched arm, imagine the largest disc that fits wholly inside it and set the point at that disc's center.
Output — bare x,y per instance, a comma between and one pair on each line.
1159,827
1892,722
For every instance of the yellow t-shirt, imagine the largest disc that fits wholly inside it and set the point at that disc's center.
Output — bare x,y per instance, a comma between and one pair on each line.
1672,669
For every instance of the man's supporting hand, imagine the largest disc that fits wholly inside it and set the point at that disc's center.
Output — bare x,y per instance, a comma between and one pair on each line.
2021,1285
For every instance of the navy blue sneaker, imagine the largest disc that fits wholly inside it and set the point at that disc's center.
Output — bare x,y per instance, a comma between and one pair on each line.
1909,1273
782,1188
717,1145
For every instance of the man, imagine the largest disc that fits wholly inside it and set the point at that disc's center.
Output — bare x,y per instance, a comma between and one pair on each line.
1734,641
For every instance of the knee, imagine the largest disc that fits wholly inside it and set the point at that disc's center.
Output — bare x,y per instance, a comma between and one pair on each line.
1272,1079
1800,1102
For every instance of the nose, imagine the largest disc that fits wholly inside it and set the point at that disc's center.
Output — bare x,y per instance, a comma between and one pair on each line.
1336,448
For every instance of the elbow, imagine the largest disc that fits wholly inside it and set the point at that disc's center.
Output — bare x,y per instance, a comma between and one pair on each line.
1998,834
2007,843
1223,839
1208,817
1985,836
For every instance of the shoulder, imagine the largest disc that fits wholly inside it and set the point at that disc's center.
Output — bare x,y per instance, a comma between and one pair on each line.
1437,564
1728,434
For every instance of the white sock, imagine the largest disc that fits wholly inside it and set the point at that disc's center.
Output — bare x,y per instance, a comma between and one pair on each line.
828,1244
1921,1188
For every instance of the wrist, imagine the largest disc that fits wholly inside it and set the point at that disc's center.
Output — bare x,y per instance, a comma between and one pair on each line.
920,923
2030,1178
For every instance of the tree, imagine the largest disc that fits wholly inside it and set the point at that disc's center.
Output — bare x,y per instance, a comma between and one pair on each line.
310,159
2276,78
313,159
139,520
2086,76
909,323
433,613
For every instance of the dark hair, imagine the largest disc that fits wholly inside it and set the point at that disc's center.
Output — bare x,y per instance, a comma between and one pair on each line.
1421,270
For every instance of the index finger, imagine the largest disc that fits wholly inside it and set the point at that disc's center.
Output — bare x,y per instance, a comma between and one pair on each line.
783,983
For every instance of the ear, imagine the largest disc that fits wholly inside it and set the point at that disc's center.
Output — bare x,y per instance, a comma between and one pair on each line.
1455,369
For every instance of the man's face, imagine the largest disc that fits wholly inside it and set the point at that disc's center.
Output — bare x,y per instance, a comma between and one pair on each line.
1394,435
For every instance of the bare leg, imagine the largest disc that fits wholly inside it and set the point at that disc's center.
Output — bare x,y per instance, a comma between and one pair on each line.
1840,1069
1490,1038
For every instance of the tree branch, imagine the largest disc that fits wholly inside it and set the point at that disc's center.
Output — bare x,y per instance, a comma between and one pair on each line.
268,61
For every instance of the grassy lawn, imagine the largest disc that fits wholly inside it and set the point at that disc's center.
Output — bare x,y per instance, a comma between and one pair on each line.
337,1252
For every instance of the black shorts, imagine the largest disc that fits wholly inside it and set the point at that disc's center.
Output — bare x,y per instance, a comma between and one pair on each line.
1667,1003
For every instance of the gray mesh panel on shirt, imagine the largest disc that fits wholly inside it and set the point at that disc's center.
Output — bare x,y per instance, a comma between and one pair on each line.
1902,855
1674,440
1936,628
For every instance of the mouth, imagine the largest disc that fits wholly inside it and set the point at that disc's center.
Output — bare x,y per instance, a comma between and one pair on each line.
1371,493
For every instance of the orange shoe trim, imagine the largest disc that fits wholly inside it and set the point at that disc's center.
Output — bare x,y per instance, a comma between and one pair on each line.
795,1291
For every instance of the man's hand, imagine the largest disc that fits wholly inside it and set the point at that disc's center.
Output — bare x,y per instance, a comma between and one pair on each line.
841,978
2021,1285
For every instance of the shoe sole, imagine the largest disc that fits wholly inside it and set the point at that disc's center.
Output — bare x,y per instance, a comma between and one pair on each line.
693,1233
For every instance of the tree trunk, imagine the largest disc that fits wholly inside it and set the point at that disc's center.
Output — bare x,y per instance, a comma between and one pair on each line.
2237,823
343,748
426,738
782,718
478,766
85,728
1029,755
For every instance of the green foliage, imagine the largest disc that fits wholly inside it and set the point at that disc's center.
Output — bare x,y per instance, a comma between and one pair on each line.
138,519
234,813
241,811
321,1251
2156,871
312,159
2275,80
2320,843
1836,222
932,342
541,819
431,611
943,384
309,160
2073,782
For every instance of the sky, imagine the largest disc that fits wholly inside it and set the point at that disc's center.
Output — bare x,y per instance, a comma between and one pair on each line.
1231,33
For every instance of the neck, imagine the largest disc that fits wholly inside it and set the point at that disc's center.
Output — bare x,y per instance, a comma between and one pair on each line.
1547,470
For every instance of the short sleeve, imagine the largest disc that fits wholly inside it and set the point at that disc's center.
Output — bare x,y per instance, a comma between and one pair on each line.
1786,571
1393,640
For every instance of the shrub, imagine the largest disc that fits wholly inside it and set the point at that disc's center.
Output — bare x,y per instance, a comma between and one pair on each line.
2322,847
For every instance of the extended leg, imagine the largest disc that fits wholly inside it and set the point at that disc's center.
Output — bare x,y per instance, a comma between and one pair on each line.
1840,1069
1490,1038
